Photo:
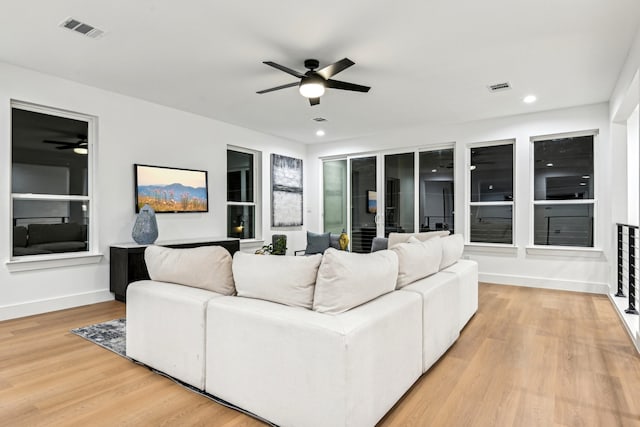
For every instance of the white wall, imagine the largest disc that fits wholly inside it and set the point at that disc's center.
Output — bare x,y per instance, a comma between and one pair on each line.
623,101
589,272
129,131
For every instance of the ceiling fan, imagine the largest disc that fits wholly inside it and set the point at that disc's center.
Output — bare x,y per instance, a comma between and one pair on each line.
313,83
78,147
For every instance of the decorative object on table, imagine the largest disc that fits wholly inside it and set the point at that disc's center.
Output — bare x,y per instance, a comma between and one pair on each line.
145,229
286,191
344,240
279,244
372,201
171,189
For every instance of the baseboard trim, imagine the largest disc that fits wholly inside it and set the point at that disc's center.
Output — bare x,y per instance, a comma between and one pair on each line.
30,308
545,283
630,321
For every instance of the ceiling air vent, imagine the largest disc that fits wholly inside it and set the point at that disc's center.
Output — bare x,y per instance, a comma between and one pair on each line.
499,87
320,119
81,28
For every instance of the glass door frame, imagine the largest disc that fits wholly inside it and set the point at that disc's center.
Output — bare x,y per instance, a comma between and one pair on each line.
380,179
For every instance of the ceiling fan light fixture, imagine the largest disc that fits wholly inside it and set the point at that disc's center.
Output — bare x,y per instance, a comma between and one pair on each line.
80,150
312,90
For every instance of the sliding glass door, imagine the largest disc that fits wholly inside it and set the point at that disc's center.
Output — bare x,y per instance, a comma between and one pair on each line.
376,195
334,181
399,193
364,203
436,190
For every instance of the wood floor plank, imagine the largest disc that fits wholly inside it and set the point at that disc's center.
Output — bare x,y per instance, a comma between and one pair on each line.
529,357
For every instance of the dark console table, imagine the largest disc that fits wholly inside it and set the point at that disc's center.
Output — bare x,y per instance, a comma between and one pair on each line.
127,261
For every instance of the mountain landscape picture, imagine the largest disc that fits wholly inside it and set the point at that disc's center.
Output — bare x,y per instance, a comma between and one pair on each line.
171,190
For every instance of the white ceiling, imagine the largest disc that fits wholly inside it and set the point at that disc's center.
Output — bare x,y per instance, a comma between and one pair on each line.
427,61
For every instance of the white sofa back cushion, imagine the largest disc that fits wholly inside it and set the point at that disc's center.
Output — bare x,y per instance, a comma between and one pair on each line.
396,238
286,280
452,248
205,267
417,259
346,280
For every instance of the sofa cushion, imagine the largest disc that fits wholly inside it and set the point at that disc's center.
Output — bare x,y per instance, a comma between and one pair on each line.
395,238
47,233
346,280
19,236
282,279
30,251
452,248
58,247
205,267
417,259
317,243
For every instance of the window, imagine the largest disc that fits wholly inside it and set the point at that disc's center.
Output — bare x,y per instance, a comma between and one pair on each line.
563,188
436,190
242,200
50,181
491,194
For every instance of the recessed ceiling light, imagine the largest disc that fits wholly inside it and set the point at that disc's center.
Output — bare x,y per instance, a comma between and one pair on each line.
319,132
434,170
585,177
472,167
529,99
490,186
583,183
549,165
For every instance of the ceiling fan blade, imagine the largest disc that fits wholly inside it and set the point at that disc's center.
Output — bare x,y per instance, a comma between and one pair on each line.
279,87
283,68
333,69
336,84
314,101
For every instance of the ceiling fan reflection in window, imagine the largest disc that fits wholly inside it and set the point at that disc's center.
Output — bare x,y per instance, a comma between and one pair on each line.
78,147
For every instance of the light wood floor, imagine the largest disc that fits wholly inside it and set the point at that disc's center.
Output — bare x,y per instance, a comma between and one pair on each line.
528,357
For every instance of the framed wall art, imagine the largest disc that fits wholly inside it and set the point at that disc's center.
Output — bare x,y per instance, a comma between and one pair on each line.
286,191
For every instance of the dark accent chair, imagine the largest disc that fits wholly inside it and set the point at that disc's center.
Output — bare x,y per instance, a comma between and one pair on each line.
317,243
379,243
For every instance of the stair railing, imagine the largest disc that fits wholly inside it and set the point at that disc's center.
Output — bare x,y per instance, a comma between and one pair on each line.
629,265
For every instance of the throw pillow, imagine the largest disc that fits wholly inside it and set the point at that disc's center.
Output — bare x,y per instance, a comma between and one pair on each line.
346,280
452,248
395,238
317,243
286,280
417,259
205,267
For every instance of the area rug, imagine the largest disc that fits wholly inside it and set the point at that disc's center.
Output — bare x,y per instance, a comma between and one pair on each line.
112,336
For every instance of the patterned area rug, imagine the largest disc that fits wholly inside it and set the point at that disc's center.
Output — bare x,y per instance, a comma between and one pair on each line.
112,336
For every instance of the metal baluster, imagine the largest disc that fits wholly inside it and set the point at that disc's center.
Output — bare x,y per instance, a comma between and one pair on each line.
632,273
620,292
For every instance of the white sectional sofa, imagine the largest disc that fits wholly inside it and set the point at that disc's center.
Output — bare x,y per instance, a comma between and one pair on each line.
325,340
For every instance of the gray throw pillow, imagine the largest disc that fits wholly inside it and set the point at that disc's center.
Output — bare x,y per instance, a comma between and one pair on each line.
317,243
